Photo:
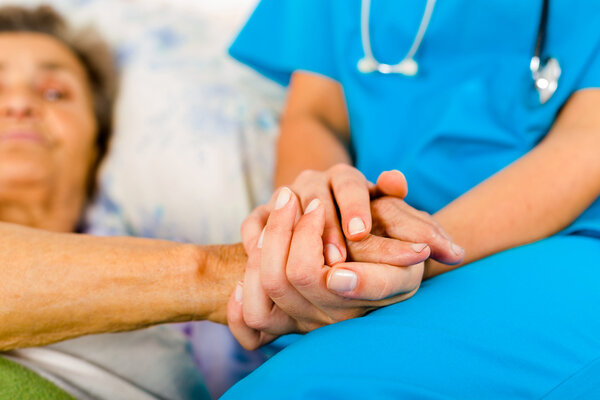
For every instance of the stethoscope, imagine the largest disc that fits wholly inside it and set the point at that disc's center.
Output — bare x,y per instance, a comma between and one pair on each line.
545,73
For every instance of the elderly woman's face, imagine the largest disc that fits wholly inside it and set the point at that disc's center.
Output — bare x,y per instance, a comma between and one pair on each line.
47,122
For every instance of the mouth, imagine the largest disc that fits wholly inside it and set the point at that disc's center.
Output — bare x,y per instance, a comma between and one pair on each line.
27,136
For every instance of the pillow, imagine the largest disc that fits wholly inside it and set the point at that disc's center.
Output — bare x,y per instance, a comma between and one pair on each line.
193,146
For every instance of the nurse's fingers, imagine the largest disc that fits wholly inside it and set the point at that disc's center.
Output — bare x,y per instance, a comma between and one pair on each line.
310,185
381,250
274,256
401,221
365,281
307,274
252,227
351,191
391,183
249,338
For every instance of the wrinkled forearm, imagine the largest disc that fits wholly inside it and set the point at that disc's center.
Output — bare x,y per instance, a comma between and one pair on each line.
58,286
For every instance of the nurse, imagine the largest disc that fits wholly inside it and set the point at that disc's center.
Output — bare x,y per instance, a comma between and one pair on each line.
510,168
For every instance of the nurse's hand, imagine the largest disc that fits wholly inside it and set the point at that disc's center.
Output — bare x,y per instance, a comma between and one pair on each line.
288,288
344,188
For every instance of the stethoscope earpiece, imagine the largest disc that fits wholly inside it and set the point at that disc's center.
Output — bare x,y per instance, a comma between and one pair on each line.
367,65
408,67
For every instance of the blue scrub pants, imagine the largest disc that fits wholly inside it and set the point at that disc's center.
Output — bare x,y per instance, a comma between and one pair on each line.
522,324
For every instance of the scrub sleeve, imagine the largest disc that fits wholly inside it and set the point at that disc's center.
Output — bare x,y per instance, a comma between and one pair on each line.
519,324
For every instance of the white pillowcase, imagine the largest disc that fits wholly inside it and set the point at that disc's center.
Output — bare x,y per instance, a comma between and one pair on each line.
193,147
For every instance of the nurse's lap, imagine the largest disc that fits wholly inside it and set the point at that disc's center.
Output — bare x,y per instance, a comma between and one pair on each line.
520,324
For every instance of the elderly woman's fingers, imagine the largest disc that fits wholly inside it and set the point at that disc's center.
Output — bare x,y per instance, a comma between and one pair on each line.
367,281
312,185
381,250
249,338
274,256
252,227
391,183
400,221
351,191
259,311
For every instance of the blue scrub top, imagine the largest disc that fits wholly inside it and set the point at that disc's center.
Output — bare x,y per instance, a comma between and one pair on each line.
472,108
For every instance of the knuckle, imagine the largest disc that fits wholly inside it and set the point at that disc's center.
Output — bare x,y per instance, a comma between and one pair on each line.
415,276
248,226
306,176
276,228
339,169
383,207
273,287
249,345
257,321
424,214
430,235
336,239
383,288
253,263
300,277
360,246
377,245
386,247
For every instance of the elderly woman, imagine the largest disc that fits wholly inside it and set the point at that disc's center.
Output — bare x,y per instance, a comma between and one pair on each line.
55,111
56,94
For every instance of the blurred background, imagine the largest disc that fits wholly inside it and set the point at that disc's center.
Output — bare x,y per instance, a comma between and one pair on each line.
192,129
192,151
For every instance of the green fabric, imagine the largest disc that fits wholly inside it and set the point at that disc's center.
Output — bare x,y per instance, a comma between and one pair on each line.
17,382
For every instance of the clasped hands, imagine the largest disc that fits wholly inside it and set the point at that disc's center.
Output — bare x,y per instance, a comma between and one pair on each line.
308,268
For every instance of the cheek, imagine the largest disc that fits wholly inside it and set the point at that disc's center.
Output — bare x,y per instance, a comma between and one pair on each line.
73,129
73,132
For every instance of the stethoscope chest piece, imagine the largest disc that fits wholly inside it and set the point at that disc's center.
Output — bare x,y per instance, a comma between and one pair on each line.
545,77
407,67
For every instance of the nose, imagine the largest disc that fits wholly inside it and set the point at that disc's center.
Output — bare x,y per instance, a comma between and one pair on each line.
18,104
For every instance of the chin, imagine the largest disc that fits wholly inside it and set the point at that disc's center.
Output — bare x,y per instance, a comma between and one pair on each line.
20,169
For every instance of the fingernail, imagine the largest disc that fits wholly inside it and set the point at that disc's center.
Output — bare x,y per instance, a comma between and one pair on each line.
342,280
418,247
260,239
457,249
282,198
332,254
239,292
312,206
356,226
